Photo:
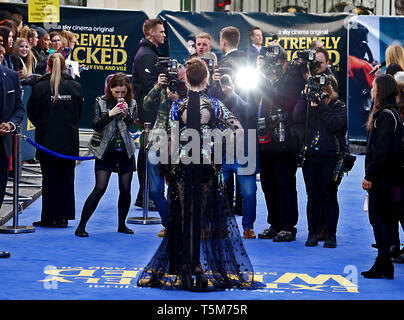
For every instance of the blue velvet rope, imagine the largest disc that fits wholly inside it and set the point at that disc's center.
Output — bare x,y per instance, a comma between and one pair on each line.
58,155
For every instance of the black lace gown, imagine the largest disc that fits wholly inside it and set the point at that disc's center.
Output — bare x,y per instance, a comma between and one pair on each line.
202,248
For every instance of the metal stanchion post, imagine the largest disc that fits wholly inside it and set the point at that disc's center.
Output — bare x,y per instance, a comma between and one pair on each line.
145,219
15,228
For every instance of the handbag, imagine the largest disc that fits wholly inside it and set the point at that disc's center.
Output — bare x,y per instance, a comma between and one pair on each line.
96,138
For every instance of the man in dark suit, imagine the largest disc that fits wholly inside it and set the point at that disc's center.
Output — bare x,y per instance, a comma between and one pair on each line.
245,202
11,114
233,58
254,49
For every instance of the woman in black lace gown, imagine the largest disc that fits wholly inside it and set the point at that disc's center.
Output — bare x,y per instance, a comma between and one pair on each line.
202,249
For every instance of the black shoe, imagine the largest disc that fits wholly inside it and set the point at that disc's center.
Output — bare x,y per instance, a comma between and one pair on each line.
382,268
51,224
398,259
330,241
125,229
139,203
268,234
81,232
312,240
151,207
4,254
285,236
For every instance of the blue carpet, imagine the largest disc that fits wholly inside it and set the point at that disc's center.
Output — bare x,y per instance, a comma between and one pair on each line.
54,264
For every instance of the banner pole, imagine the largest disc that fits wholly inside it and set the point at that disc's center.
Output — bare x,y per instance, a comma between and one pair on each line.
15,228
145,219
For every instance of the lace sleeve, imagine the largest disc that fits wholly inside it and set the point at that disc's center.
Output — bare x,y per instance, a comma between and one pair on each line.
225,116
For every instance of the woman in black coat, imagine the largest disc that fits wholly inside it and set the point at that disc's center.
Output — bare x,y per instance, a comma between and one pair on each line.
55,108
382,167
324,139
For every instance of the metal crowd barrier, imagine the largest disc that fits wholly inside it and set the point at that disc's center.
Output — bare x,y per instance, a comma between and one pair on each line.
15,228
145,219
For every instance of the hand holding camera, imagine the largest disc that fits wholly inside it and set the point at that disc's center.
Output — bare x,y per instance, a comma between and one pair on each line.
162,80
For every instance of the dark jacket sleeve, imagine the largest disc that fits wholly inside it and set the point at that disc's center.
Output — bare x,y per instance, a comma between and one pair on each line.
334,116
381,147
19,110
146,69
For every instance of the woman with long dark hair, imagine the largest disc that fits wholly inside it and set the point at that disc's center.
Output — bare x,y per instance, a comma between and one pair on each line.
8,42
54,108
382,167
113,148
202,248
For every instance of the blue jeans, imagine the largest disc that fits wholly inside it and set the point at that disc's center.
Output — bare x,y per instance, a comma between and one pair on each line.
248,187
157,187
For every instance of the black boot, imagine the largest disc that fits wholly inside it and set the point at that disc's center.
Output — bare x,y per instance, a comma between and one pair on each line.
81,231
312,240
382,268
330,240
125,229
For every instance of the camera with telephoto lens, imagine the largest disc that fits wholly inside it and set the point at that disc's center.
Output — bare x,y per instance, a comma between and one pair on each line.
315,87
278,122
345,163
225,75
262,131
210,63
276,127
305,60
170,68
271,55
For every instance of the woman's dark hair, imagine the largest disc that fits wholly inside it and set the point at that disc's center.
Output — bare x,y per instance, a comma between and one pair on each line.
393,68
119,79
5,32
196,71
386,92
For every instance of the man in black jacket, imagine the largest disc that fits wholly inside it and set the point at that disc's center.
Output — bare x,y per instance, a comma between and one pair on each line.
144,77
11,115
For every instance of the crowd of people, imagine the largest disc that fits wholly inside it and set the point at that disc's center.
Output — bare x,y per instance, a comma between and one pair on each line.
295,114
26,48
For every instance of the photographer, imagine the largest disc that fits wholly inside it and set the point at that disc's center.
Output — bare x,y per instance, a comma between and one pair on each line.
144,77
325,119
159,101
281,87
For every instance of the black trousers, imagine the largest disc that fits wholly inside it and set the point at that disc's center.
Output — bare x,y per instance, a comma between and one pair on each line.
58,201
322,201
140,170
278,182
4,168
381,214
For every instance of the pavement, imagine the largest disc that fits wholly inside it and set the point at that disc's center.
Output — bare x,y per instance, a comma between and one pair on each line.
30,187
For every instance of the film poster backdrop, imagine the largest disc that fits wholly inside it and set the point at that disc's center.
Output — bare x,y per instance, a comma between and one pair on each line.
107,41
369,37
293,31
